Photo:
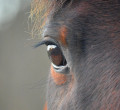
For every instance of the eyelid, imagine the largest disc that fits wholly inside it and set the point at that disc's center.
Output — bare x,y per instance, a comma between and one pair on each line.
47,41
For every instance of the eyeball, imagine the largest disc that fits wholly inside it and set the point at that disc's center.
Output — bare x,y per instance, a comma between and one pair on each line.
55,55
57,58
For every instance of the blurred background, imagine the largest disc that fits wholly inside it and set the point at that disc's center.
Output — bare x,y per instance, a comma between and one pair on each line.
23,69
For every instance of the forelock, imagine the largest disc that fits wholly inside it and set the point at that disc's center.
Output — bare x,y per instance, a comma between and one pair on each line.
40,9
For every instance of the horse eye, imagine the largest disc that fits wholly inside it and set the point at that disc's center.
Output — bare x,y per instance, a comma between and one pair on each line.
56,56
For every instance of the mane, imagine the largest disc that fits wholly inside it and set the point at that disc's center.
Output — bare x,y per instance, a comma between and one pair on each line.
40,9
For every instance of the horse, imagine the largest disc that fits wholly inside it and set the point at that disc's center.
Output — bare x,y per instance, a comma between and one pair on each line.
83,44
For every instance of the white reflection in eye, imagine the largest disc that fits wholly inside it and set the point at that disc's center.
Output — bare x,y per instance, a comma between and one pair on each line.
49,47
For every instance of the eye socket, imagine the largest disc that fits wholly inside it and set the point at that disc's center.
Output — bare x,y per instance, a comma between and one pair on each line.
55,54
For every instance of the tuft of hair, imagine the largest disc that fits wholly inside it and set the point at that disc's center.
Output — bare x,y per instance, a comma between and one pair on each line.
38,15
40,9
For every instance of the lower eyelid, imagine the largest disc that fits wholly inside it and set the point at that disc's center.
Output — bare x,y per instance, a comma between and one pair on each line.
61,69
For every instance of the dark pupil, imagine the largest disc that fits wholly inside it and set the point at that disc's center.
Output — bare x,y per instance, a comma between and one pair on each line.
56,56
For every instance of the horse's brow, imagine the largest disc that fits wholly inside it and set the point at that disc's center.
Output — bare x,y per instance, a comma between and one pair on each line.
63,35
59,34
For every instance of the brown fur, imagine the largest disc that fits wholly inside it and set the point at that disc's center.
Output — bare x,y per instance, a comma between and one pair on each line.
92,34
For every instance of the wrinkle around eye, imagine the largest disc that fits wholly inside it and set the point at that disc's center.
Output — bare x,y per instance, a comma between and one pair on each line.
58,78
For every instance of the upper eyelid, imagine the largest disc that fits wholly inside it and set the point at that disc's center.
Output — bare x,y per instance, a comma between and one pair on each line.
47,41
